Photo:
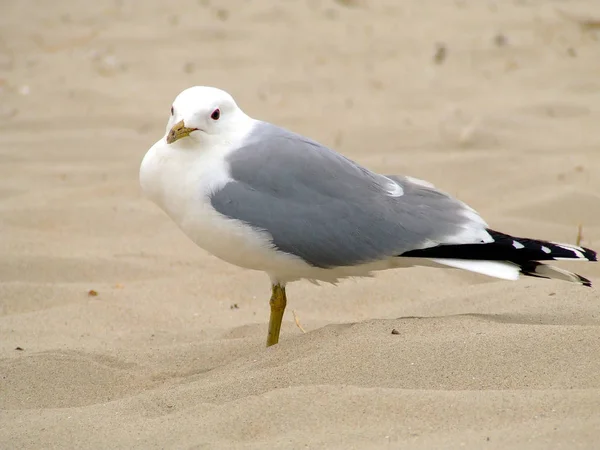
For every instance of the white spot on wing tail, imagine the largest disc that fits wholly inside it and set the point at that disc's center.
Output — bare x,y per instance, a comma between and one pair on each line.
517,245
394,189
546,249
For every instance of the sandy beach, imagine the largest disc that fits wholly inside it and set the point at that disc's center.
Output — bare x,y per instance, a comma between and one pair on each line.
116,331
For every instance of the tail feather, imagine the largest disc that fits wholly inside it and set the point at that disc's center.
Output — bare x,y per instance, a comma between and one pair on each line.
522,252
539,270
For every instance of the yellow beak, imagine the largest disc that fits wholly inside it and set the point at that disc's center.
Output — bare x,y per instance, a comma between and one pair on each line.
178,131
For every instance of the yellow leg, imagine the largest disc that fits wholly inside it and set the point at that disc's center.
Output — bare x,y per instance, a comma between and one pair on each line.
277,302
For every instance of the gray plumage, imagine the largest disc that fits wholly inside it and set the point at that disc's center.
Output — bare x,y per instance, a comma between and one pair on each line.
328,210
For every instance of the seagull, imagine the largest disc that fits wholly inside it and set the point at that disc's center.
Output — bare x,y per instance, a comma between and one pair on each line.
262,197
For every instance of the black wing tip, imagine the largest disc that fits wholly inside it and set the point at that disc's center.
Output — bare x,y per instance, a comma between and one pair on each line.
589,254
542,250
584,281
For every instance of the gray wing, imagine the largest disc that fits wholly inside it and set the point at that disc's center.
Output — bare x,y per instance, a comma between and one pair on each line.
328,210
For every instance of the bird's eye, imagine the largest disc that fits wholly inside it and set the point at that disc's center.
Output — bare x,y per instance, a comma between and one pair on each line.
215,114
172,110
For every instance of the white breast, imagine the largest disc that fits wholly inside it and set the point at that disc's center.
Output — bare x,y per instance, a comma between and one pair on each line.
180,181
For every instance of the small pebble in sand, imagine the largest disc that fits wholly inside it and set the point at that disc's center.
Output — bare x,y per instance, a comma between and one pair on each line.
92,293
234,306
440,53
189,67
222,14
500,40
394,331
19,349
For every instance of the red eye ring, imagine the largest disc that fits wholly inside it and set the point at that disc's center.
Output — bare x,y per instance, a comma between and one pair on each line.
216,114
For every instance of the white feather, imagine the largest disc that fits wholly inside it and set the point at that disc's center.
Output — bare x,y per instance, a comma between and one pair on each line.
497,269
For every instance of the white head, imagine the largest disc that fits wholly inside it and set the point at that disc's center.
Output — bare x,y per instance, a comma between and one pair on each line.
205,124
205,115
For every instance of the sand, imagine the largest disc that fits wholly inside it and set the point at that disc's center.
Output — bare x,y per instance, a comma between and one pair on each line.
117,332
